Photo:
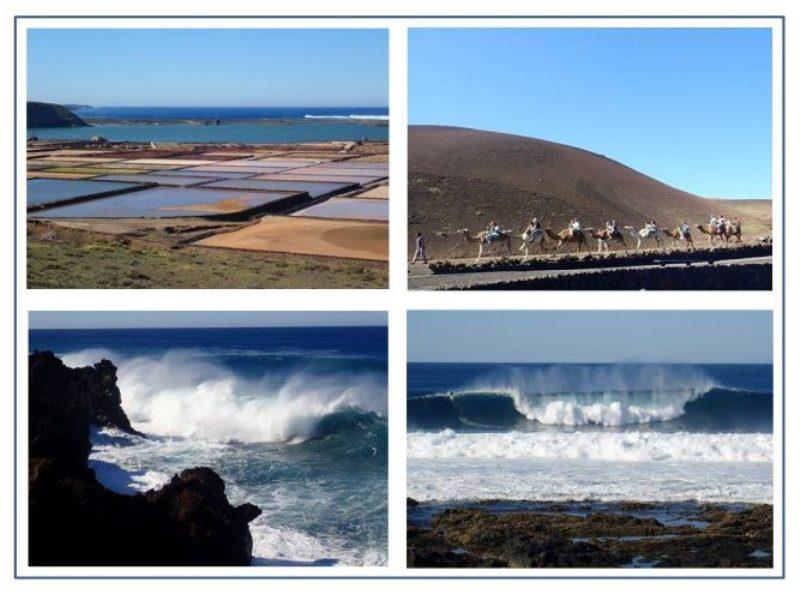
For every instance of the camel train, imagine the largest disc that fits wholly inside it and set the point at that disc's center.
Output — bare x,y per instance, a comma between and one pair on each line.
535,236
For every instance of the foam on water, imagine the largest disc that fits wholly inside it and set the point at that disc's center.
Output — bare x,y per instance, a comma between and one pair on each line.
563,480
179,394
630,446
130,464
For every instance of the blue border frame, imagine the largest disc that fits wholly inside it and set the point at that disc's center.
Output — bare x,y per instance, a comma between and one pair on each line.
781,18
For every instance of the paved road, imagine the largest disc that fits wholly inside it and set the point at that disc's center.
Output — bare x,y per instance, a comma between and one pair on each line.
421,278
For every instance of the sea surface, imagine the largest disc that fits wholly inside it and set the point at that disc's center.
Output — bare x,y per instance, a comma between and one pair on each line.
244,125
559,432
293,419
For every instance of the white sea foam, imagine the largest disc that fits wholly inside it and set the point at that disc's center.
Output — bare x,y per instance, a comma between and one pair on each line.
129,464
350,117
179,394
594,446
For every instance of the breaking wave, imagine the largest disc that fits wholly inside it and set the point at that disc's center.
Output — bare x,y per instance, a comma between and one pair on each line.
180,394
666,398
628,446
350,117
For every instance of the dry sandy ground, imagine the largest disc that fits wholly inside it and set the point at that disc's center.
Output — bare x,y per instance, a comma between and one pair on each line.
380,192
758,212
318,237
52,175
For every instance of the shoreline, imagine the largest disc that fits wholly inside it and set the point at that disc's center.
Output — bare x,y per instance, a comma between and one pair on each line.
492,533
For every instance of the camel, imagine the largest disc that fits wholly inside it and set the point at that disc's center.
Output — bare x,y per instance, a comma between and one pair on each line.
675,235
733,229
480,239
604,236
712,233
530,237
644,234
566,236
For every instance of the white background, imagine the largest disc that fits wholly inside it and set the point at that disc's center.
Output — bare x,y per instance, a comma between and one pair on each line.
395,301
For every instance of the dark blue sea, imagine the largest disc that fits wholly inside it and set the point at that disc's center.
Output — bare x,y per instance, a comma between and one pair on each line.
293,419
610,432
244,125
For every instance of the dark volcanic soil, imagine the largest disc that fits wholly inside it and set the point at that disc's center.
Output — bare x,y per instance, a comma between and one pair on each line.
576,535
463,178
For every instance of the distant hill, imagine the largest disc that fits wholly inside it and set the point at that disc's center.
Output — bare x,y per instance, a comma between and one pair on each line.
78,106
462,178
43,114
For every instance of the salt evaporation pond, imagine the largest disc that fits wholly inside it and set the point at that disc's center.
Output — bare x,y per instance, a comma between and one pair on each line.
173,202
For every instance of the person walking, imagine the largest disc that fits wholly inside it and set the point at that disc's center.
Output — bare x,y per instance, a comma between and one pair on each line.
419,249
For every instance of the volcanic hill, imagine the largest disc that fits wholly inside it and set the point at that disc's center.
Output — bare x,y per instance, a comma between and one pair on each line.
462,178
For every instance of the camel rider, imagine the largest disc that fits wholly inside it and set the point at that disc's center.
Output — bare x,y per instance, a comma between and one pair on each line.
650,225
574,226
721,223
611,226
493,232
535,225
683,229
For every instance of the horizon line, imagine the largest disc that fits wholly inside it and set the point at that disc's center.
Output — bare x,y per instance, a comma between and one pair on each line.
200,327
562,362
62,103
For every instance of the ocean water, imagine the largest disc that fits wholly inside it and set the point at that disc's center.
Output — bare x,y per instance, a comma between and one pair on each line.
293,419
599,432
245,125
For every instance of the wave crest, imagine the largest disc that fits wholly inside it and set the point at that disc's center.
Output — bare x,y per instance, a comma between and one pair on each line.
177,394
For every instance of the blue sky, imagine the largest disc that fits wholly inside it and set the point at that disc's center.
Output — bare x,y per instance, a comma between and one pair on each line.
157,319
690,107
590,336
209,67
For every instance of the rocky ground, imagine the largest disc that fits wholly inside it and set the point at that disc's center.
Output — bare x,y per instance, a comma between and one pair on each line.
75,521
580,535
132,253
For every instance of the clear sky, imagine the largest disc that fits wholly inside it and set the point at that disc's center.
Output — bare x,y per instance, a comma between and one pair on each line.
209,67
174,319
690,107
590,336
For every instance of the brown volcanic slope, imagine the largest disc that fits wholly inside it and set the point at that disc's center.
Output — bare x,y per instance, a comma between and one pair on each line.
462,178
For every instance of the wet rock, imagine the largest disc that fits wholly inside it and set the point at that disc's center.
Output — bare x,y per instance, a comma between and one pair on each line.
544,538
75,521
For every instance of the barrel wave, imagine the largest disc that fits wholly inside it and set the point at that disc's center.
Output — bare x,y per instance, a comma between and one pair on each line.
712,410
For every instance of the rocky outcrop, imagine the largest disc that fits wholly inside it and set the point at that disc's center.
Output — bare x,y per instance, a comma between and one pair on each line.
43,114
554,536
75,521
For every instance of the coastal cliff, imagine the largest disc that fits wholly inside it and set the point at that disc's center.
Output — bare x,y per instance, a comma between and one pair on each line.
44,114
75,521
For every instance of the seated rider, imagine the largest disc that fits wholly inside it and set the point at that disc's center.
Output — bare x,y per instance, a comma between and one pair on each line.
574,226
683,228
492,232
535,225
611,226
721,223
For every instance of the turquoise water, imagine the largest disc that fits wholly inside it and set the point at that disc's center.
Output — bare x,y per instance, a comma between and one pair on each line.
243,132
